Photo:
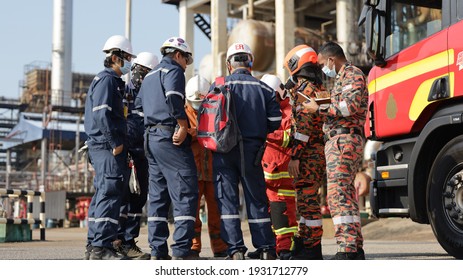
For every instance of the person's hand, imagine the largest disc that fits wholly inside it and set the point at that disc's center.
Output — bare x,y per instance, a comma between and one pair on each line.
293,168
179,136
311,106
362,183
118,150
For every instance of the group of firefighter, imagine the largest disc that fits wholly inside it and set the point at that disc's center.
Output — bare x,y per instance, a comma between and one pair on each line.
297,136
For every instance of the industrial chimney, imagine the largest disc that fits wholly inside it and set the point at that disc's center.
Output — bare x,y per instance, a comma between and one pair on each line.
61,77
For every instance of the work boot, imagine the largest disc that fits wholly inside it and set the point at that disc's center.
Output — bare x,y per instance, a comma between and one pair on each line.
359,255
284,255
268,255
166,258
255,255
193,255
133,252
103,253
307,253
238,255
222,254
88,250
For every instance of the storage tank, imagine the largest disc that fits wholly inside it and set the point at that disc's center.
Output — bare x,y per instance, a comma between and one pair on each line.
260,37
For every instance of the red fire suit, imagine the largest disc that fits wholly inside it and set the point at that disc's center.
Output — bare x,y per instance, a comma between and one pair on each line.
280,189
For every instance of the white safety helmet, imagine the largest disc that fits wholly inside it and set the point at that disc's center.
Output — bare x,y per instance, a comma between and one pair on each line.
177,43
146,59
275,83
196,88
237,48
118,42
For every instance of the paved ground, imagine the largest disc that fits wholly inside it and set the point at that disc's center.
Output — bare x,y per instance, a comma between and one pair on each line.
385,239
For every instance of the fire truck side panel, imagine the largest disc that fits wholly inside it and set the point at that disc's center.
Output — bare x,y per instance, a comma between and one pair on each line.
400,90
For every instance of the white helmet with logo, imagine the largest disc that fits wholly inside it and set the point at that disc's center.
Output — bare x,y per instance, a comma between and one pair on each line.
196,88
118,42
177,43
237,48
146,59
275,83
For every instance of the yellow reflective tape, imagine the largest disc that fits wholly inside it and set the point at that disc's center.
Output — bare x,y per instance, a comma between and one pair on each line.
442,59
285,230
420,101
286,138
276,176
286,193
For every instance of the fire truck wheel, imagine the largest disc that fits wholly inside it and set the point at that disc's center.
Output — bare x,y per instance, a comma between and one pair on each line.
445,197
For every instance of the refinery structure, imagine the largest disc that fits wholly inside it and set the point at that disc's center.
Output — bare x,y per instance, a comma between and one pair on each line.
40,141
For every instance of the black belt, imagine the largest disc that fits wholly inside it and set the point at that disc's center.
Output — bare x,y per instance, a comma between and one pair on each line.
166,127
343,130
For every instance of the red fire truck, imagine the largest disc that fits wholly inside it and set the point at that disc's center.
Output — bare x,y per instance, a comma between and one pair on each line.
415,110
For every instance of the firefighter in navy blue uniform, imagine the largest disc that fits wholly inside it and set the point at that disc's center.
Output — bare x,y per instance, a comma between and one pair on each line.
135,197
257,114
172,169
105,126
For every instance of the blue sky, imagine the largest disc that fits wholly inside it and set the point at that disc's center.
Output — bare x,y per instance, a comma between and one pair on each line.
26,34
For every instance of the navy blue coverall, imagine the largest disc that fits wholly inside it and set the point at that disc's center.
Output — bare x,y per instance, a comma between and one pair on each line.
172,169
105,126
258,113
133,203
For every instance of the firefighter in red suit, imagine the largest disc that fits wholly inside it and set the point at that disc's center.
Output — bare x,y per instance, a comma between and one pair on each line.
280,188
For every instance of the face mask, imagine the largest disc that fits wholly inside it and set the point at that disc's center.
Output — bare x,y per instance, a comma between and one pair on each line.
126,68
329,72
138,73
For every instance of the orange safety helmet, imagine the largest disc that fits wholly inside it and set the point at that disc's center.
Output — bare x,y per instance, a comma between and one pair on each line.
298,57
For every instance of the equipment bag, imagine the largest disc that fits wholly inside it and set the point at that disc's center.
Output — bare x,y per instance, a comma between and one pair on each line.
218,129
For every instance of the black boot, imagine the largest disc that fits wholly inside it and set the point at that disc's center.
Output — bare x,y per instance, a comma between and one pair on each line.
308,253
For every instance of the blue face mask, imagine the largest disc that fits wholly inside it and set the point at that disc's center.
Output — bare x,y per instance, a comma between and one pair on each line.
126,68
329,72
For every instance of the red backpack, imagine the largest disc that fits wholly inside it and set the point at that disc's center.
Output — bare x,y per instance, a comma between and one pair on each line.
218,129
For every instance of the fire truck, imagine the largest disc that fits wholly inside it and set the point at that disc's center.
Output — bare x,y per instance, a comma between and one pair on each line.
415,111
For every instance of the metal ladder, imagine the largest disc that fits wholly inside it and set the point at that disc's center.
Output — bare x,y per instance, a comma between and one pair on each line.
203,25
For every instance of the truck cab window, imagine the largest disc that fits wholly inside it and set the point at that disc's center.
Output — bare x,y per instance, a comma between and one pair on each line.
411,23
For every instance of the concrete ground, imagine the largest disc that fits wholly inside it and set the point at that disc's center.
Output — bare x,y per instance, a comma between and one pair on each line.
385,239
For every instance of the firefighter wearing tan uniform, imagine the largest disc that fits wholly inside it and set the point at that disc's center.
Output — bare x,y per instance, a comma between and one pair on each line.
307,164
344,119
197,87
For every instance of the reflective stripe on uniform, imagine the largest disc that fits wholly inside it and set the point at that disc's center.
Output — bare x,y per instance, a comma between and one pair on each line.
286,134
274,119
123,216
101,220
285,230
346,220
301,137
258,221
96,108
185,218
136,112
256,83
175,93
344,110
311,223
157,219
286,193
276,176
224,217
165,70
134,215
